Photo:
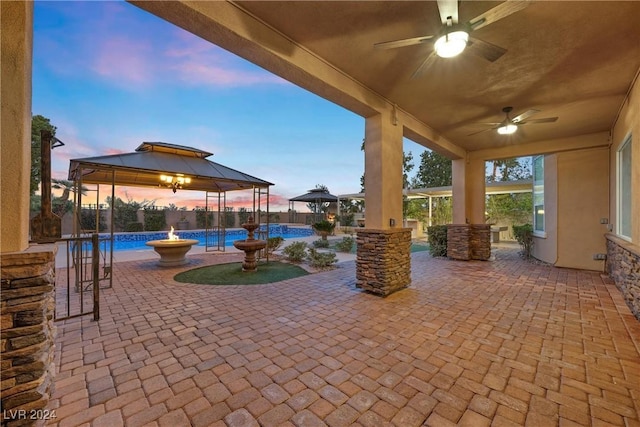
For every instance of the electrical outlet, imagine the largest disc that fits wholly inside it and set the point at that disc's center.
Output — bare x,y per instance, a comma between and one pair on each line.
604,220
599,257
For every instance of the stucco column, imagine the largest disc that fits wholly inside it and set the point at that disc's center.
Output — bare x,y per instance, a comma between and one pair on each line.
16,35
383,263
383,172
468,191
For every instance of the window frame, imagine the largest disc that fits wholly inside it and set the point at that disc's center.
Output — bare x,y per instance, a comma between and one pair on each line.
539,230
623,179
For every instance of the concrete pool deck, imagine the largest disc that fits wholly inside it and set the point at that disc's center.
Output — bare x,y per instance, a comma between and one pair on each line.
479,343
148,253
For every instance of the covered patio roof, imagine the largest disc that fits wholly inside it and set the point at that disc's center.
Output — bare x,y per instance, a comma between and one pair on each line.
520,186
152,160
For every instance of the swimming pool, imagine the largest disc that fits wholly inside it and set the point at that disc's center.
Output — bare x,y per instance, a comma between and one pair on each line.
136,241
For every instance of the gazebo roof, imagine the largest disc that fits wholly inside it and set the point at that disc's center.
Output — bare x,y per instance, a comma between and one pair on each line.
317,195
150,160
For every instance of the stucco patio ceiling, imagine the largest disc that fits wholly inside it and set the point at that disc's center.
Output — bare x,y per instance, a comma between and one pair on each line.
572,60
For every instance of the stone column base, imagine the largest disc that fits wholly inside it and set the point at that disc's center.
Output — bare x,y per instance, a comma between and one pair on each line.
383,264
623,266
28,332
469,241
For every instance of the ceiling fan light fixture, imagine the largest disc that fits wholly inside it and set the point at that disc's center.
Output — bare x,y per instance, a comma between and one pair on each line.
451,44
507,129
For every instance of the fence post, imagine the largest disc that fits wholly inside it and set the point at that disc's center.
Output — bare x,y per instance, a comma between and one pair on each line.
95,259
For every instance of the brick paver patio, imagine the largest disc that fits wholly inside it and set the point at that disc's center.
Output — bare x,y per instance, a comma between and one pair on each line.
496,343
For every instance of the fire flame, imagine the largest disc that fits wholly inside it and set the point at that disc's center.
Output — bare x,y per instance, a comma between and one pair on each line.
173,236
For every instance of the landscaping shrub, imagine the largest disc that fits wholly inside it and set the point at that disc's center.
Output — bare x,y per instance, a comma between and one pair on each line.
88,220
273,243
295,252
321,259
321,243
437,240
346,244
203,218
524,236
229,218
154,220
133,227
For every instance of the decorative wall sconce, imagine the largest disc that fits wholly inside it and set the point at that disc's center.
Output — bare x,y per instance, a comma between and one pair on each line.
174,182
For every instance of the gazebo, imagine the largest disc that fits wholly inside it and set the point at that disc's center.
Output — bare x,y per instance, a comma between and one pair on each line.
317,196
167,166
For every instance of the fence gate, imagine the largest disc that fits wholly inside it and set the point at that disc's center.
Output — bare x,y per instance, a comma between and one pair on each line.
77,291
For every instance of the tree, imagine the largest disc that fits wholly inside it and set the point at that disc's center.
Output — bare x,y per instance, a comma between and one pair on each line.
510,169
407,166
61,205
38,123
434,171
126,213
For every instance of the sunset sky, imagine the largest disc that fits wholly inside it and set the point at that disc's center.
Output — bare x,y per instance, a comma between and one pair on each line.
110,76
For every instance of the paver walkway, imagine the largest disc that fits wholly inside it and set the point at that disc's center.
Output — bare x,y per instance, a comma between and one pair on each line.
495,343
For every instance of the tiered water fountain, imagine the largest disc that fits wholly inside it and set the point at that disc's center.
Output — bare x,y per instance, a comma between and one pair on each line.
172,250
250,246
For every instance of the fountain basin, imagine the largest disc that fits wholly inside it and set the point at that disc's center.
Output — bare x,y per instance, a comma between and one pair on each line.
250,247
172,252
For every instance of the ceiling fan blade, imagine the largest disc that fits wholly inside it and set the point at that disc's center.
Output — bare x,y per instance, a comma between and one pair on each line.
501,11
543,120
402,43
486,50
448,8
426,64
483,130
524,116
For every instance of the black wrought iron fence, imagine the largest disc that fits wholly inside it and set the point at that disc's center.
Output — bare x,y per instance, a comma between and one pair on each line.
78,285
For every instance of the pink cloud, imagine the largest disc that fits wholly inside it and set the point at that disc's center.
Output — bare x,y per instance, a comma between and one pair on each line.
199,62
122,59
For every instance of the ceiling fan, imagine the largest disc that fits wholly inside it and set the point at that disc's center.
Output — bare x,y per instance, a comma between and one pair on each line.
510,125
454,37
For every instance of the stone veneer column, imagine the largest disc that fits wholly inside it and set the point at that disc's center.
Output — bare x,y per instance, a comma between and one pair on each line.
480,241
469,241
458,242
623,266
383,264
27,336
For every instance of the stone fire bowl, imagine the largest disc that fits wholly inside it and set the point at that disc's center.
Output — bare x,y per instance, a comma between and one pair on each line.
172,252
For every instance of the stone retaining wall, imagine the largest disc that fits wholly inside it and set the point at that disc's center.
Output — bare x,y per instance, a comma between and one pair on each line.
469,241
383,263
27,336
623,266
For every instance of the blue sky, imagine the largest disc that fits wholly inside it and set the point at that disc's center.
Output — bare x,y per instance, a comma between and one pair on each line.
110,76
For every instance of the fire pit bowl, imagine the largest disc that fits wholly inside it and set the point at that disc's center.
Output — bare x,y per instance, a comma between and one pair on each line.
173,250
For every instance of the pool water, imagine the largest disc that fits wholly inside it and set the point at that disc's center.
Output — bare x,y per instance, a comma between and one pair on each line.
136,241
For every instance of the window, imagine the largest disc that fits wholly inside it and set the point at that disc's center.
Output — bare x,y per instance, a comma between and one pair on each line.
538,195
624,189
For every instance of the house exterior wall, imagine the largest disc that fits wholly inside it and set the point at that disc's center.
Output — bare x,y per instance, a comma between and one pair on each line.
582,203
623,256
628,123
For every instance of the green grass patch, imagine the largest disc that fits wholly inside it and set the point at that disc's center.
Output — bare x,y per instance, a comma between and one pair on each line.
232,274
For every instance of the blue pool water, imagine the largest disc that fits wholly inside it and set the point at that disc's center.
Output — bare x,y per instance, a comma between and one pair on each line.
136,241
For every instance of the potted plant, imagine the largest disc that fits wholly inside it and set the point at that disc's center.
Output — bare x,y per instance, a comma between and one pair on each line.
324,228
